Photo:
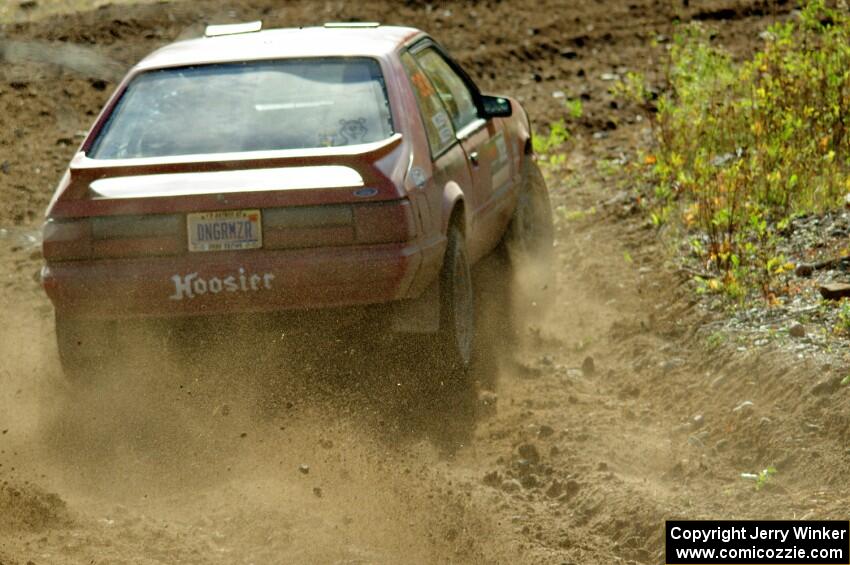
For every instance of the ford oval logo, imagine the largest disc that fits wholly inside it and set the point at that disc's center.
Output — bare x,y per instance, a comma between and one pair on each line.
365,192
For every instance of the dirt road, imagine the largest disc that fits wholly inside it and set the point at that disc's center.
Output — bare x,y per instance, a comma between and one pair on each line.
615,415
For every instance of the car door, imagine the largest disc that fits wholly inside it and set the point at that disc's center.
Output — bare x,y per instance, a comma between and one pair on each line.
483,142
448,160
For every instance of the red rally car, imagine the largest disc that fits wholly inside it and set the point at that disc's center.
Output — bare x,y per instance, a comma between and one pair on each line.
337,167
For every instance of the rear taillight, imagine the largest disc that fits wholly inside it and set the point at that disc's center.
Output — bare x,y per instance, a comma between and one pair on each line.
135,227
105,237
112,237
66,239
337,225
308,226
384,222
134,236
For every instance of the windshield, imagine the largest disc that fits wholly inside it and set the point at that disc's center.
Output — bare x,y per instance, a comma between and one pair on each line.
249,106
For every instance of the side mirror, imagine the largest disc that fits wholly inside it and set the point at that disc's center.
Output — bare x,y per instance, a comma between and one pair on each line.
496,106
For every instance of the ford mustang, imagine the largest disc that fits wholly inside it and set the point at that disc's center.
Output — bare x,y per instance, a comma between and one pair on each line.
335,168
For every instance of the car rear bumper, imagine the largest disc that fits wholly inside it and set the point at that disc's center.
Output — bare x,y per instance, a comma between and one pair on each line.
239,281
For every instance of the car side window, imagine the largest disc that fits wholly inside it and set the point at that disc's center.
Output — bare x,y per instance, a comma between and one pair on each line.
438,124
450,86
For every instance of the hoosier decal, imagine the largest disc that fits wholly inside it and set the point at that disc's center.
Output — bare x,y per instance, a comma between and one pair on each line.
192,285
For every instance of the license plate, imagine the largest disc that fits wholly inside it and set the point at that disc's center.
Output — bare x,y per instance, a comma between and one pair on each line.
225,231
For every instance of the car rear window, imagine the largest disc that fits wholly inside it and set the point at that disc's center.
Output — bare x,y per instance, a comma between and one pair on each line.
249,106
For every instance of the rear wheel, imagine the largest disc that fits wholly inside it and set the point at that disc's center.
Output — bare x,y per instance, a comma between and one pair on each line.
456,337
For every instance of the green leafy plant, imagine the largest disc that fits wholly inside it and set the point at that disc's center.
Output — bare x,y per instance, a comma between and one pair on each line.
575,109
764,477
557,136
562,213
745,147
715,340
843,324
632,87
607,167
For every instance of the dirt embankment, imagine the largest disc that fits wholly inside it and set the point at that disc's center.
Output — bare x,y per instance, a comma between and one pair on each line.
615,415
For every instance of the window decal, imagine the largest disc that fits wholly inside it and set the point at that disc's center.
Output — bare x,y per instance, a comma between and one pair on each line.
443,125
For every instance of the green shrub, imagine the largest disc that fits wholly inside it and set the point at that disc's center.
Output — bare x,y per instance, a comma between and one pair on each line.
545,144
744,147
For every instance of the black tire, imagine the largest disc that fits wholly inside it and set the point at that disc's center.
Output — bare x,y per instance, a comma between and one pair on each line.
84,347
456,337
531,233
529,245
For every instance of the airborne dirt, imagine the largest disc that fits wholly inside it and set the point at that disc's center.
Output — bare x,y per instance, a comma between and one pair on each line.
613,417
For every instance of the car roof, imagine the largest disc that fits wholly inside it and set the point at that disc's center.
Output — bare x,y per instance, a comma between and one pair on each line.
376,41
